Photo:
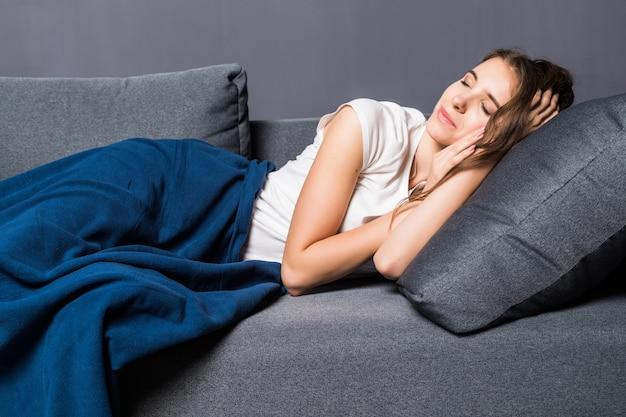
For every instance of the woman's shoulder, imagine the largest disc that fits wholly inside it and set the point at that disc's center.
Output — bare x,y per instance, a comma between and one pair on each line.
411,115
370,113
379,115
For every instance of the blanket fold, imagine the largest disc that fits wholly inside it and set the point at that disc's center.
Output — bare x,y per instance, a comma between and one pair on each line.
116,252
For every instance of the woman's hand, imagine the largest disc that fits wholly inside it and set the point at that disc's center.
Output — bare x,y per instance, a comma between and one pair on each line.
443,161
543,108
452,155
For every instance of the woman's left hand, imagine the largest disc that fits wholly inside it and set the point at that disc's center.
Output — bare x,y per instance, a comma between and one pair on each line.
543,108
452,155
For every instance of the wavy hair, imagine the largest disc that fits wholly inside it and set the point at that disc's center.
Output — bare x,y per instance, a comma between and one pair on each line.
508,124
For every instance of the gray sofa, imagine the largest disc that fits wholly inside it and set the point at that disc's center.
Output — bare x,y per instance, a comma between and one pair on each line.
357,347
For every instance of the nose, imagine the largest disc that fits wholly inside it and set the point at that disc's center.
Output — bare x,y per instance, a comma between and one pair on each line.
459,102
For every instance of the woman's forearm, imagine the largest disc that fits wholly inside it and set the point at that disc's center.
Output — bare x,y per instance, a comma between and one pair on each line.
424,219
410,233
399,220
336,256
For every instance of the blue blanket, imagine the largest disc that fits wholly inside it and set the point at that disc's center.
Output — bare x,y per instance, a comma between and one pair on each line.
113,253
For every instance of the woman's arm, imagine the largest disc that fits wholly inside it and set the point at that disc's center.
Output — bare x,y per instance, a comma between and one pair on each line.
336,256
424,219
314,253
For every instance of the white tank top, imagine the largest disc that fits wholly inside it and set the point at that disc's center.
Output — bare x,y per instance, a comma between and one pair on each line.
390,137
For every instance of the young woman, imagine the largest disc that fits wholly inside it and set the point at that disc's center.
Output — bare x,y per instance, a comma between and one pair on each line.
370,154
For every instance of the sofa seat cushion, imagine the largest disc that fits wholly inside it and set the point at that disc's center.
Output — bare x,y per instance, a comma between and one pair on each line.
361,349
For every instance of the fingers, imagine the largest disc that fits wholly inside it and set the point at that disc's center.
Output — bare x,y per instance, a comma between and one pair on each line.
535,100
540,101
475,136
452,155
462,155
463,144
542,109
553,114
472,137
549,112
552,107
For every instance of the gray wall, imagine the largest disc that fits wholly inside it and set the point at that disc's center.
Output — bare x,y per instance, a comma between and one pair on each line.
305,57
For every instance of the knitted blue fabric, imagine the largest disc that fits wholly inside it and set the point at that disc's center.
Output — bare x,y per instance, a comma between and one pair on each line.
113,253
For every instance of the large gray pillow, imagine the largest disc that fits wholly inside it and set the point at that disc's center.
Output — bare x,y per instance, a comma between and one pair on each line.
544,227
43,119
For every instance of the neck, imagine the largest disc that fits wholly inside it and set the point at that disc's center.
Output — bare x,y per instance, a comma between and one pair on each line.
427,147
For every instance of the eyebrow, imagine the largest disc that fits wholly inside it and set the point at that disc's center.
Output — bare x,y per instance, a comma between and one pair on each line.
488,93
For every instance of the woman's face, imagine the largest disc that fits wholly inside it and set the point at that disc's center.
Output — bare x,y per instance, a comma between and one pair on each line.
468,103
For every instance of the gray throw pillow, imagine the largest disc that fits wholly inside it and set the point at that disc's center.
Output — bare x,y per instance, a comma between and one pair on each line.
43,119
544,227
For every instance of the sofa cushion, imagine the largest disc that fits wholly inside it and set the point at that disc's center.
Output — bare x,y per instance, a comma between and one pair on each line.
43,119
544,227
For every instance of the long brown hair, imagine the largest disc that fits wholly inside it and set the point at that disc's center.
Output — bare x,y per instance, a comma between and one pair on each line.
508,124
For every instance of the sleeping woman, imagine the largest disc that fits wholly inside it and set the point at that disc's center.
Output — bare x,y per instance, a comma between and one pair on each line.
369,155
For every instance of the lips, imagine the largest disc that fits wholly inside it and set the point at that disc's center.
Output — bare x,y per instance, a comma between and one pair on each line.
444,115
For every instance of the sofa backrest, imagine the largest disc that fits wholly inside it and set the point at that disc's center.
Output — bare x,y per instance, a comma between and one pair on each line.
43,119
282,140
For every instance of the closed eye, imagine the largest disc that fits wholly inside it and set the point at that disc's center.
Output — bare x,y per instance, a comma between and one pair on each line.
481,105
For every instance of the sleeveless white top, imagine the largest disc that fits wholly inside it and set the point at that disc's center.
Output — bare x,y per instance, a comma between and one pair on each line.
390,137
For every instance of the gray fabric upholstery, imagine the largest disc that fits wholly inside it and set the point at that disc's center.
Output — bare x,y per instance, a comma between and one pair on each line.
360,349
43,119
357,347
545,226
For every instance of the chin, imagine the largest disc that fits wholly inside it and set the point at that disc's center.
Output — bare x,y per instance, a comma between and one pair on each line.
437,133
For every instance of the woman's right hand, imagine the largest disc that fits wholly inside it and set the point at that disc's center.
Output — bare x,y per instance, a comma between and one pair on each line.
545,106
